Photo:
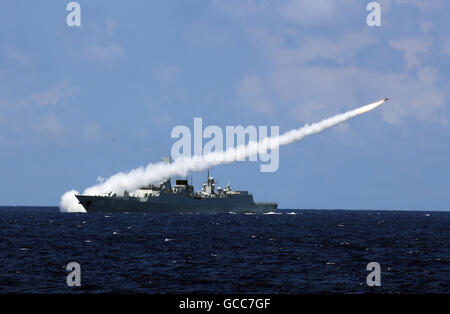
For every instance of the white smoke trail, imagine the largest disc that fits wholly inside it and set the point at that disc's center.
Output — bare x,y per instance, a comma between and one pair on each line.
154,173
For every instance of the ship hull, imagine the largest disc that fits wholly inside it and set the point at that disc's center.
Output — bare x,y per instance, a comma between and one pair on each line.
174,203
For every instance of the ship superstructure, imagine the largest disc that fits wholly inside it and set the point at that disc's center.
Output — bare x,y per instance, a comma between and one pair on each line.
181,198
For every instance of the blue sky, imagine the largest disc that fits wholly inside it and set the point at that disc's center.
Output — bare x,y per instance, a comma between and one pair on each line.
79,103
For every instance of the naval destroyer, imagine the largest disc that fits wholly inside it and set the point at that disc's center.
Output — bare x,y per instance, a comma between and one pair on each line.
181,198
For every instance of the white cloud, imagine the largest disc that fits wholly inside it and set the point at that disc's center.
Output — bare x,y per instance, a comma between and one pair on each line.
417,97
104,49
91,131
170,89
316,92
340,49
16,55
55,94
162,118
105,54
278,29
445,46
413,49
307,11
20,122
254,93
49,124
110,26
241,10
309,111
299,79
423,4
165,74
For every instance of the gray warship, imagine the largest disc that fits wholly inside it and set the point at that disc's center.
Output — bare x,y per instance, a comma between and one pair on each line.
162,198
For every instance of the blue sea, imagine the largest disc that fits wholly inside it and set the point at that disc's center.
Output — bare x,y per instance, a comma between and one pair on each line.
302,251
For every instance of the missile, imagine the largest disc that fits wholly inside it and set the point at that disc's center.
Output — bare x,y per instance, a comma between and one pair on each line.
387,98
